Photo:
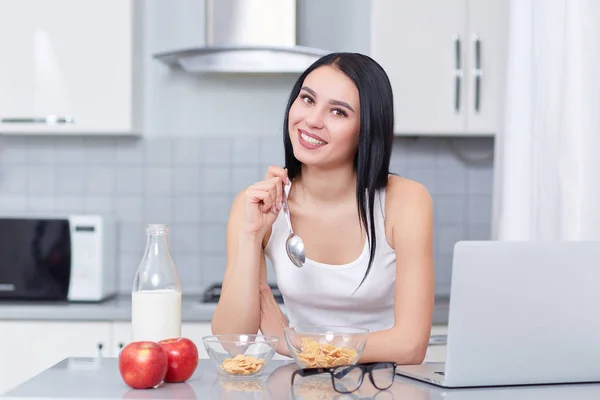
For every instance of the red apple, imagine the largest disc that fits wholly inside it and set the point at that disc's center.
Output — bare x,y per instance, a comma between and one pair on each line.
143,365
183,358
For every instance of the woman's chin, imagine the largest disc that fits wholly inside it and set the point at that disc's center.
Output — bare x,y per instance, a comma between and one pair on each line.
306,158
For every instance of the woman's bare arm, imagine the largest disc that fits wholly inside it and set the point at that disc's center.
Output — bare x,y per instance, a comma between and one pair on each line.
406,342
251,217
238,310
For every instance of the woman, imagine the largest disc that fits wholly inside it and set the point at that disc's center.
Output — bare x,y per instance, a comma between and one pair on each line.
338,134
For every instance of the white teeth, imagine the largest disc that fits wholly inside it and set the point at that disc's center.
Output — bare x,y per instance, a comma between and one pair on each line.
311,140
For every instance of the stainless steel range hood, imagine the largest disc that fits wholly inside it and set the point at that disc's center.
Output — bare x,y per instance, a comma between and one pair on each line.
246,36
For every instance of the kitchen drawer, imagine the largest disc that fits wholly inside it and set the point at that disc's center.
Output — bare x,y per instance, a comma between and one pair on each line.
29,347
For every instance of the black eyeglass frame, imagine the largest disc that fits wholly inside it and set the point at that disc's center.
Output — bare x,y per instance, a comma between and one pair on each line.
364,367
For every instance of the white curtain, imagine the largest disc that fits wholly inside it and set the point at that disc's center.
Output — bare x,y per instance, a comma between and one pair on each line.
547,157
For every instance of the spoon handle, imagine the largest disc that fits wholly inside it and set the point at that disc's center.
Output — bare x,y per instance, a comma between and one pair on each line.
286,210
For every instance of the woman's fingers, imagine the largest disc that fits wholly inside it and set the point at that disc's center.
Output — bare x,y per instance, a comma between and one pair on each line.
275,170
274,187
281,173
264,198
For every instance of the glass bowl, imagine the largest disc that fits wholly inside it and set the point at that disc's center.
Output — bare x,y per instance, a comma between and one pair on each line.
324,346
241,356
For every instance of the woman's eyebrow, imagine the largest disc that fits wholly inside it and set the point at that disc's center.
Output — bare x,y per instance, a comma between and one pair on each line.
334,102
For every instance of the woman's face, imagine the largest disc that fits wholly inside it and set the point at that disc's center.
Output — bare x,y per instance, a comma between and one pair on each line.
324,120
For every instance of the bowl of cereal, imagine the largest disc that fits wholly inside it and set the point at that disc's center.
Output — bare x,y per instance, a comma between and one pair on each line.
237,355
324,346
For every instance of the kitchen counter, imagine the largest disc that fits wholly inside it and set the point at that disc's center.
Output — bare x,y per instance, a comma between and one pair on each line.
115,309
98,378
119,309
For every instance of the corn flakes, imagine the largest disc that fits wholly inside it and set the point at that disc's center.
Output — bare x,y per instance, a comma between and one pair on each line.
242,365
317,355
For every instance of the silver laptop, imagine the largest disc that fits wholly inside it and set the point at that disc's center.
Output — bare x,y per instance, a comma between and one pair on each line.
520,313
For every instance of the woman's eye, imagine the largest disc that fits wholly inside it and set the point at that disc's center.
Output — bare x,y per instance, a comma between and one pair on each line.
306,99
339,112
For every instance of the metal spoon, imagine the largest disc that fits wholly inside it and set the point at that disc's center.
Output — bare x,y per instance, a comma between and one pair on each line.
294,246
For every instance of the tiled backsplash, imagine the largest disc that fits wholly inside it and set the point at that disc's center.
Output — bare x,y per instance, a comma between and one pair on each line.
190,182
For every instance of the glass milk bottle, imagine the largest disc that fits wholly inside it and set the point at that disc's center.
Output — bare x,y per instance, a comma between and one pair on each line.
156,294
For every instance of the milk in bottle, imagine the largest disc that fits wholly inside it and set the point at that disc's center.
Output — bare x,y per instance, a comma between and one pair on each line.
156,293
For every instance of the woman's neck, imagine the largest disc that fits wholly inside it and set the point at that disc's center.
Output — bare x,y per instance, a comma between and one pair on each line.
325,186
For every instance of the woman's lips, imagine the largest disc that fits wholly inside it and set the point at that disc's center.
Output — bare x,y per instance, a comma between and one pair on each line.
309,140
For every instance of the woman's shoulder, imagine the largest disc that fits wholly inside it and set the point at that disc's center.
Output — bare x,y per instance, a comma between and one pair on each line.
404,195
400,188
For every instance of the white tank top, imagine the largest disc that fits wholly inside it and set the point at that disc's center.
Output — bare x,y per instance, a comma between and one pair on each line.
323,294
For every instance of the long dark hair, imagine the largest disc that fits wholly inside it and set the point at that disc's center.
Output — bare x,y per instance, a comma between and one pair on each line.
372,159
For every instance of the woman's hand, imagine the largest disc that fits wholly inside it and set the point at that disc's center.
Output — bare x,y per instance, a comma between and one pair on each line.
272,319
263,201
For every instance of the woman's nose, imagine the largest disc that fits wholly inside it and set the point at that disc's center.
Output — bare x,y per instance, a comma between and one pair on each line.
314,118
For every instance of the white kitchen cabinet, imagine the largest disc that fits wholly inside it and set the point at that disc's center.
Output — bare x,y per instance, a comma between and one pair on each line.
437,352
121,335
445,60
29,347
69,67
195,331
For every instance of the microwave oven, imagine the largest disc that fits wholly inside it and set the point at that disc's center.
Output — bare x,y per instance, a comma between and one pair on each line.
65,258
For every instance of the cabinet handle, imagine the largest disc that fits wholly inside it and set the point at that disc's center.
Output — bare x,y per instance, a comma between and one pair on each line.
100,347
478,72
121,345
438,340
457,74
48,119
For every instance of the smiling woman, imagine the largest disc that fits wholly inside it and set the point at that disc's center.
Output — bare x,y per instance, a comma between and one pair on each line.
310,112
367,234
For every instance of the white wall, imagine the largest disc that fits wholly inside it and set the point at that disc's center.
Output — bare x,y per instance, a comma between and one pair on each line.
177,103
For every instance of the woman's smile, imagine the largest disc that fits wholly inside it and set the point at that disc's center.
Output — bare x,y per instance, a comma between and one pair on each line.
309,140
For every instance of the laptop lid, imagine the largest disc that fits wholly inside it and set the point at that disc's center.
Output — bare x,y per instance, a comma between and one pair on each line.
524,313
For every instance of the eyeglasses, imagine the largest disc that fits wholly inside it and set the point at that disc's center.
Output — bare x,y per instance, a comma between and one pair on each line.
348,378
